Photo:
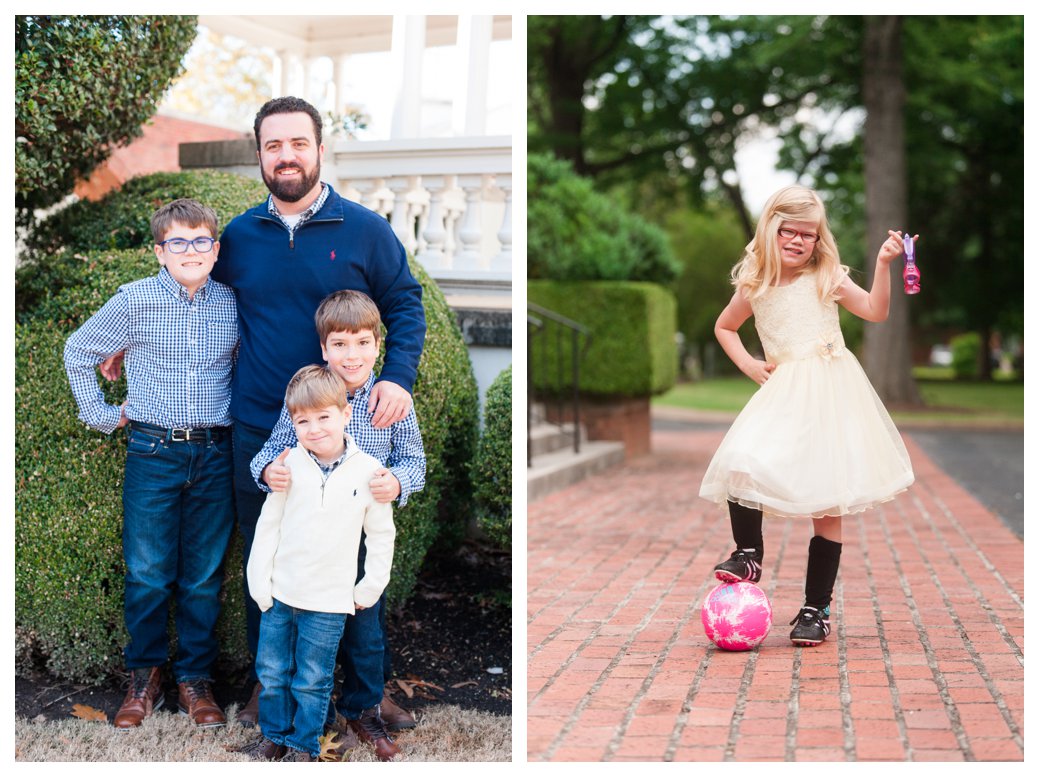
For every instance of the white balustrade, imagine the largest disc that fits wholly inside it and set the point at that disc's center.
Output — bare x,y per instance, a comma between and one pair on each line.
449,200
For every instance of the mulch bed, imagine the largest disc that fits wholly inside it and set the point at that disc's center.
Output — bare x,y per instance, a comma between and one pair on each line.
448,642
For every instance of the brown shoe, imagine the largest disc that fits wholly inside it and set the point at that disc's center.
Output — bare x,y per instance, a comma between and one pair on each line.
250,713
297,755
142,699
346,739
396,718
371,728
196,700
262,749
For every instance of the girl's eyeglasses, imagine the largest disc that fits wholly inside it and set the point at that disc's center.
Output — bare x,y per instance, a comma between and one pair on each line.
790,234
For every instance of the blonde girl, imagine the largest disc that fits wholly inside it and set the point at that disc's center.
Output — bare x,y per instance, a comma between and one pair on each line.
815,440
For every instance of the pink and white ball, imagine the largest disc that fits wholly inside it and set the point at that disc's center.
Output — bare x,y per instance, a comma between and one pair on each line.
736,616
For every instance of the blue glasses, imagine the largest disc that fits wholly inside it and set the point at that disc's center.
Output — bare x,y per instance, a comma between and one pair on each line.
179,245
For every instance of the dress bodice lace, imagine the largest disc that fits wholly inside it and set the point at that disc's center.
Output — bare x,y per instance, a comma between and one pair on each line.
793,323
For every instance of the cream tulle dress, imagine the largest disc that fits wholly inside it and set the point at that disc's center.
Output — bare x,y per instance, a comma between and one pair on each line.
815,439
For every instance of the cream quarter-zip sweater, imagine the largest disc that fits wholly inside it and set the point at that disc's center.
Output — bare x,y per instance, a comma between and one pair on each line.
307,539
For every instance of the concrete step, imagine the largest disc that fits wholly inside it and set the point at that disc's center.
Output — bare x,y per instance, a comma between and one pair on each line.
545,438
559,469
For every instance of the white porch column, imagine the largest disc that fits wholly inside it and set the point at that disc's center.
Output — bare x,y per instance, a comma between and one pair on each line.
473,47
408,43
278,76
310,92
339,79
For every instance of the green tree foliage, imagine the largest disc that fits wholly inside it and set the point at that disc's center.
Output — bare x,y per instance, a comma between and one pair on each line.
576,233
68,588
83,85
663,103
492,465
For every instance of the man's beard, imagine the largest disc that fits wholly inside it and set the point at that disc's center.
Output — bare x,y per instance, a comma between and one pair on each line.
295,189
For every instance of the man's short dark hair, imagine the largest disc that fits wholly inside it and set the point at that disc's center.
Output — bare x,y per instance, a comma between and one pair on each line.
287,105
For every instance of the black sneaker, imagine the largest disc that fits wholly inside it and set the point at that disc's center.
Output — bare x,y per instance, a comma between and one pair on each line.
742,566
813,626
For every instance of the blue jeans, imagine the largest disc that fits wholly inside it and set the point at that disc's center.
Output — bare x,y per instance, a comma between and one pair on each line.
177,518
295,664
249,499
361,655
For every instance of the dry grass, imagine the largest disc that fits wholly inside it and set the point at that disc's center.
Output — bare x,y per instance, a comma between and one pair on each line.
444,733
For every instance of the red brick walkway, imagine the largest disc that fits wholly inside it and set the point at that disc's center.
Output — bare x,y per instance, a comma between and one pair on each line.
925,661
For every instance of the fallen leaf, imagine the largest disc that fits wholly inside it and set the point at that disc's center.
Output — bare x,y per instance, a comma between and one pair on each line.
329,744
84,712
406,687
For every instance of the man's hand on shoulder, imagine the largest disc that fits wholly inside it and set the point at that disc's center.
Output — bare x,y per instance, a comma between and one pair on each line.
390,403
112,366
277,475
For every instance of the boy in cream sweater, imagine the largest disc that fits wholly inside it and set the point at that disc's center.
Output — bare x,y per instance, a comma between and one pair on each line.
303,566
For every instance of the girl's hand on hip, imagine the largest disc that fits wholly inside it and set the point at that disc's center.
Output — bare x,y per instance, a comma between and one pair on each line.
758,371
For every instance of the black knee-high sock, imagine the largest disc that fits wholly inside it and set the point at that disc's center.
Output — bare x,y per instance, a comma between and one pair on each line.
824,558
746,528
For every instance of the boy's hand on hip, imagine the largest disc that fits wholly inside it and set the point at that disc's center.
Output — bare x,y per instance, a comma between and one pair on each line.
385,486
123,420
277,475
389,402
112,366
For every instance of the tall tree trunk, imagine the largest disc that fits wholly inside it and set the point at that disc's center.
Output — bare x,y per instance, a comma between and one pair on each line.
886,352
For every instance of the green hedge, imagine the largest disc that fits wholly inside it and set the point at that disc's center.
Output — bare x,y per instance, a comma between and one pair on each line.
69,569
632,351
492,465
966,350
576,233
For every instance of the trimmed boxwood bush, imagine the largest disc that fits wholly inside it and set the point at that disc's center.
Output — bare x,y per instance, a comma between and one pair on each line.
492,466
576,233
632,351
966,350
68,516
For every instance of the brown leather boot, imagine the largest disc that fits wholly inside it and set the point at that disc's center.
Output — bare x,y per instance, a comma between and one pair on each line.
262,749
196,700
142,699
250,713
371,728
396,718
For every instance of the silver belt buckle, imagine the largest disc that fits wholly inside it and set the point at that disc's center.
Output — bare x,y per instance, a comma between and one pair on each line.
175,432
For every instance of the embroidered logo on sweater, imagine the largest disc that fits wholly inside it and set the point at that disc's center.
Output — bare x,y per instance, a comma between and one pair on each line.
332,255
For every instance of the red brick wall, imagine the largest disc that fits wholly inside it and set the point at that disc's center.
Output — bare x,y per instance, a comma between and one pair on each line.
155,152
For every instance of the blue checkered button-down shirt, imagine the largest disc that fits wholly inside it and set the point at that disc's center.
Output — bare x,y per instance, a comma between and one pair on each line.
398,448
179,354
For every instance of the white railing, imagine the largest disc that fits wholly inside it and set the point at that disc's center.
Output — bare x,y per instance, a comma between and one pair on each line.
449,200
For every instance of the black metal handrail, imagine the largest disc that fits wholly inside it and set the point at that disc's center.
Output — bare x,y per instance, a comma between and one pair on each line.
539,327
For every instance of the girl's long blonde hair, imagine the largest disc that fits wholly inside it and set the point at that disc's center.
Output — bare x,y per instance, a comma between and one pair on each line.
760,266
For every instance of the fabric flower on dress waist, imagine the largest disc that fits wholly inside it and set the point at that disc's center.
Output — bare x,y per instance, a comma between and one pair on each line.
831,346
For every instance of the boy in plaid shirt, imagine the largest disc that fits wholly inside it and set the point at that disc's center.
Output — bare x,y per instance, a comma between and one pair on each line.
348,325
179,330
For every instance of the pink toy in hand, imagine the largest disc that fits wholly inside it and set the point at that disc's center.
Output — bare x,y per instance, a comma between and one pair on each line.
911,273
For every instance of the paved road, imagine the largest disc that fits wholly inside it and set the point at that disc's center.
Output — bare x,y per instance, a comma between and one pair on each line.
989,464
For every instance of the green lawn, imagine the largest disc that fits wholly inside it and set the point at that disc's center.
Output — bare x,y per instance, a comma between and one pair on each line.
946,401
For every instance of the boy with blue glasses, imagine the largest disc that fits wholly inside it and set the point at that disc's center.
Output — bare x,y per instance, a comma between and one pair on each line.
179,330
